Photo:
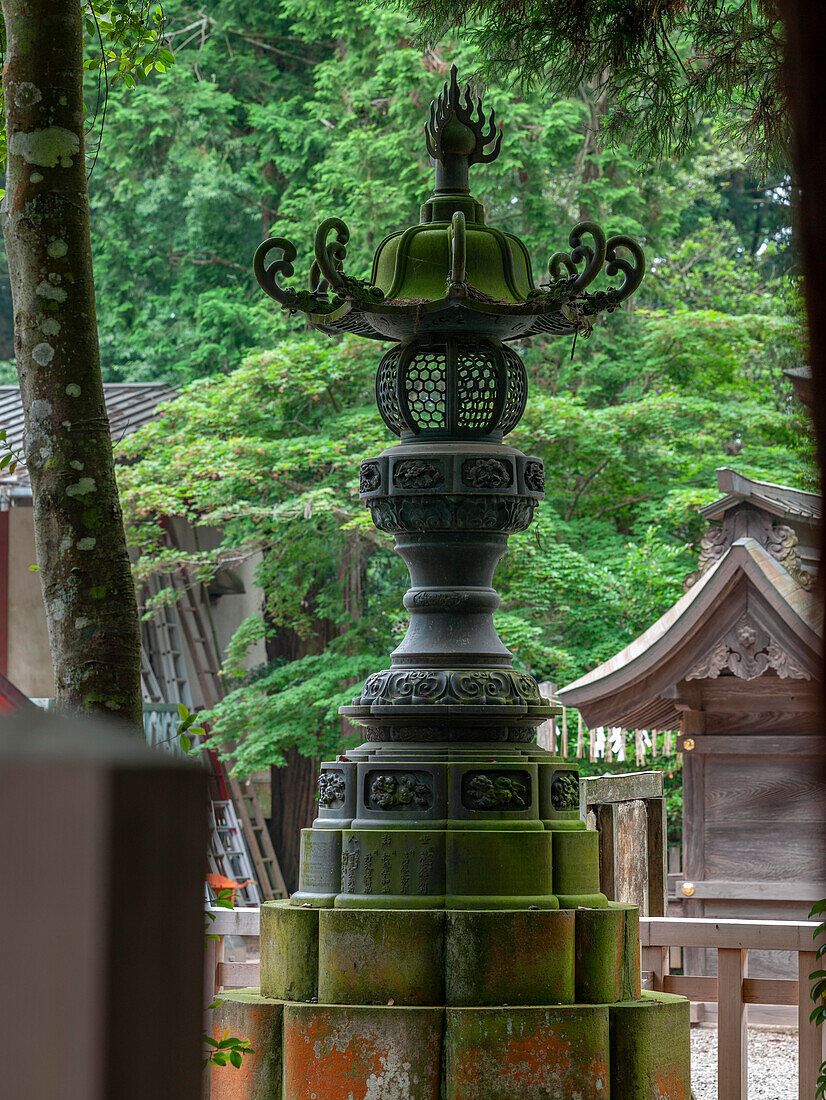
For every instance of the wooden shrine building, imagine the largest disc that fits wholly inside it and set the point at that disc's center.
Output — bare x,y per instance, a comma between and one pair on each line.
734,666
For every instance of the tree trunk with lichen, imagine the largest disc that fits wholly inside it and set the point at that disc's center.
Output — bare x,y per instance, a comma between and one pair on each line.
81,548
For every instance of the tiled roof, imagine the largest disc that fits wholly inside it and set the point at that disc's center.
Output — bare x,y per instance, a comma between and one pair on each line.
780,500
129,405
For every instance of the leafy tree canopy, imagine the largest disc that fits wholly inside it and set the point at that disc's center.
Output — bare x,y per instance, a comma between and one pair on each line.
655,66
274,117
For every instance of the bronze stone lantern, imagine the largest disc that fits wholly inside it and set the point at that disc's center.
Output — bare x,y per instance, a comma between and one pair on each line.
449,937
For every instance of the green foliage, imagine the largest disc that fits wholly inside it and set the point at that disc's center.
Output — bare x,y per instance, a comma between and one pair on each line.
123,42
656,66
818,991
187,728
276,116
228,1050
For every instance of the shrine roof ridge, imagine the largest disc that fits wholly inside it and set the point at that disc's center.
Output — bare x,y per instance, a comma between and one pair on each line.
781,500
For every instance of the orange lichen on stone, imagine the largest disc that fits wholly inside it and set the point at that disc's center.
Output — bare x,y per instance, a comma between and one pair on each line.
247,1015
361,1053
671,1084
546,1054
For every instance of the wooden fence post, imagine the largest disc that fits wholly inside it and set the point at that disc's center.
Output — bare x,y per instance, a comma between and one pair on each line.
657,821
103,965
732,1033
655,962
546,733
810,1038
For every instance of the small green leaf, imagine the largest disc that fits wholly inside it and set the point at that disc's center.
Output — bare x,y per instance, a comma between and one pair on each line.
183,712
236,1059
34,569
186,742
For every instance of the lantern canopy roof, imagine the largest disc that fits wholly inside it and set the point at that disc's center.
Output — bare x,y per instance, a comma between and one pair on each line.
451,273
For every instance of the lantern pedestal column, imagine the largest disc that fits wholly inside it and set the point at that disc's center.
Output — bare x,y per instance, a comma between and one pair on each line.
448,939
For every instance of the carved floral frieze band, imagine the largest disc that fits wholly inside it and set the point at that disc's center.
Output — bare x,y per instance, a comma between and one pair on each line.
534,476
504,687
452,512
331,789
369,477
400,790
414,473
487,473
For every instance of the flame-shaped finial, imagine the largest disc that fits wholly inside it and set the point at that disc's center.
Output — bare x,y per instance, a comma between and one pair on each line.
459,134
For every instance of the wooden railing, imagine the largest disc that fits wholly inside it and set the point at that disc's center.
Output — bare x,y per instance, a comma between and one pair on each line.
732,989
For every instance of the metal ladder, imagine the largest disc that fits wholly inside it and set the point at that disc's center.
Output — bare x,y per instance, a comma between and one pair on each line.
202,648
228,852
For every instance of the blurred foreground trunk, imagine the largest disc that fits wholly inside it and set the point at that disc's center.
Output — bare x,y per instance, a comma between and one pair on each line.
81,548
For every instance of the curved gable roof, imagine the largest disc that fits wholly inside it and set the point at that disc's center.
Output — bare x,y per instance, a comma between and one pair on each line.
629,689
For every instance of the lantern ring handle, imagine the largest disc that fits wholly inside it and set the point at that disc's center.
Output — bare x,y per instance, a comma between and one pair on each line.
458,249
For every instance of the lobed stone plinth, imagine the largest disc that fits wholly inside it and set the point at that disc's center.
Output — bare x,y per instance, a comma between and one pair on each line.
441,946
334,1053
455,826
630,1050
450,957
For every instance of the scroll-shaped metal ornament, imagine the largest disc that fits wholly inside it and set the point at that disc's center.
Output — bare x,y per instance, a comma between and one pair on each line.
327,271
594,257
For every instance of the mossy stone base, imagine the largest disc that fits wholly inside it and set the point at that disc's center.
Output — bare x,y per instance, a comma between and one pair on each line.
245,1013
607,954
631,975
632,1050
575,861
459,956
362,1053
650,1048
491,870
464,826
319,867
371,956
599,942
539,1053
289,951
517,957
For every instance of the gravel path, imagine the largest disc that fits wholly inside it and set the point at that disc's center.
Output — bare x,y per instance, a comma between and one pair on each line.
772,1064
